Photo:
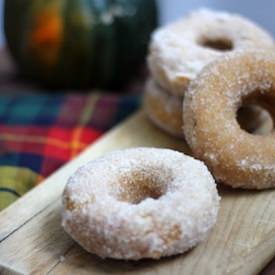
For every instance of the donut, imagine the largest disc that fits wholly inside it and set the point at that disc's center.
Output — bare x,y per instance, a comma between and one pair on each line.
235,157
163,109
180,50
140,203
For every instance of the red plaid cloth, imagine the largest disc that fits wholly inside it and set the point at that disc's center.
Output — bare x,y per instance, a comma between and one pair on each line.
39,133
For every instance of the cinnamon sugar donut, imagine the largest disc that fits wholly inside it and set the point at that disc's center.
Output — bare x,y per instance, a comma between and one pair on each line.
235,157
164,109
180,50
140,203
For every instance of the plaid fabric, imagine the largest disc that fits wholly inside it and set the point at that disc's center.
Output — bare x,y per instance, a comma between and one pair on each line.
39,133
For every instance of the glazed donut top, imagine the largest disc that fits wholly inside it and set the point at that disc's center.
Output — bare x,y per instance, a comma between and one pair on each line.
180,50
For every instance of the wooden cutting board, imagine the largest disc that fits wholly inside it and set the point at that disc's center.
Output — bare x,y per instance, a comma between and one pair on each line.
33,242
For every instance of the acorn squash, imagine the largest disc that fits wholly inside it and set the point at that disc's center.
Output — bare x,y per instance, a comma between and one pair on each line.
79,43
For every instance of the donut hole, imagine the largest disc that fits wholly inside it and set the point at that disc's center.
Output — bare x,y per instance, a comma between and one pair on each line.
255,116
219,44
139,185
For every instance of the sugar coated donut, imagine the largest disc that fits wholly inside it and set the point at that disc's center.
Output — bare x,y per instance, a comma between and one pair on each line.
164,109
235,157
180,50
140,203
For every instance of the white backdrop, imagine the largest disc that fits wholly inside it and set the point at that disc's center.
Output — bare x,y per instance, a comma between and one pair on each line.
262,11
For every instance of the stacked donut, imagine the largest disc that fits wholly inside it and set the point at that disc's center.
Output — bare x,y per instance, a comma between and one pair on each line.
179,51
234,156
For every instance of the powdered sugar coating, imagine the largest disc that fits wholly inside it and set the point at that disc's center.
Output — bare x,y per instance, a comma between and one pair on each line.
235,157
163,108
104,222
176,52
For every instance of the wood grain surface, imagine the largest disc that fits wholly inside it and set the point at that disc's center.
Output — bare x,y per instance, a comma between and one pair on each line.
33,242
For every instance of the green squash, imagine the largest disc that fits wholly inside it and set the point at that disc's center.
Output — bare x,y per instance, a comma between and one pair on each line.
79,43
